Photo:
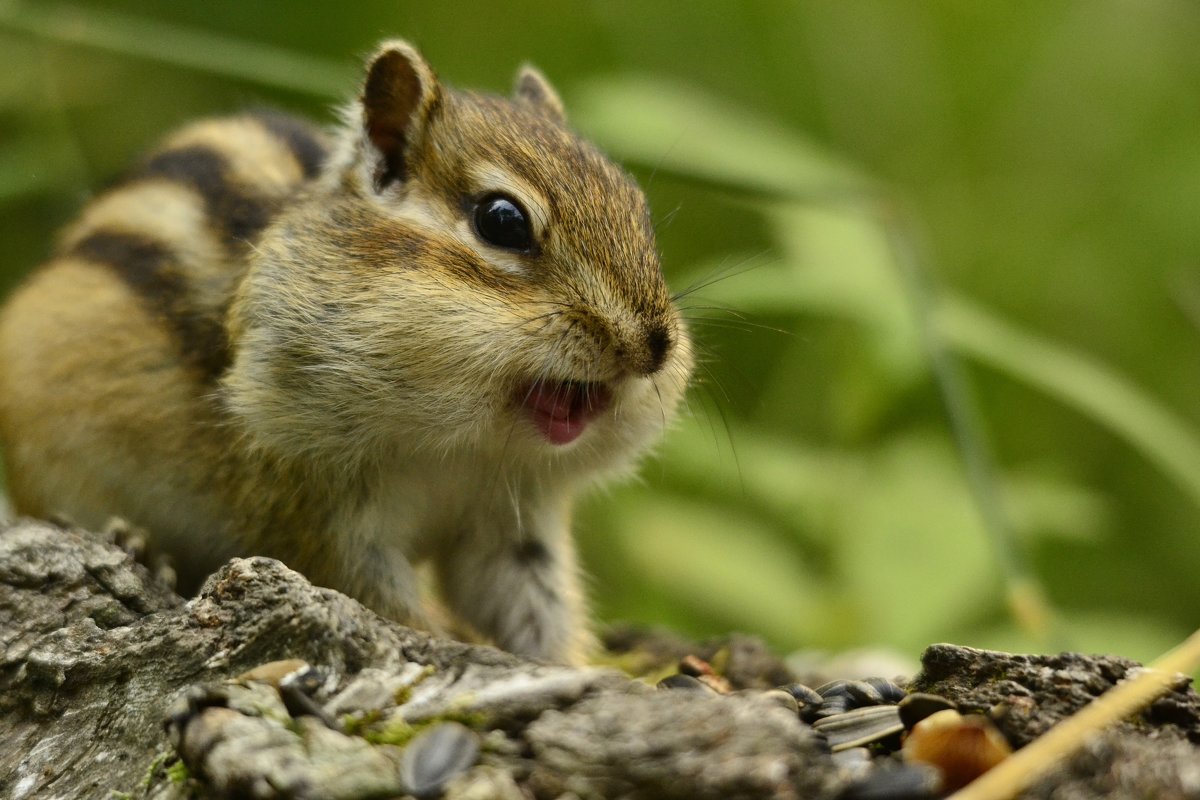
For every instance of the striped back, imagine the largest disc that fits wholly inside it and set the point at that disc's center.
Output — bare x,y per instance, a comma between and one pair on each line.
178,227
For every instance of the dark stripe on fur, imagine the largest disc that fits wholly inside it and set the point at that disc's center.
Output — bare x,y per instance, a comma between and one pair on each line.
300,138
239,214
151,269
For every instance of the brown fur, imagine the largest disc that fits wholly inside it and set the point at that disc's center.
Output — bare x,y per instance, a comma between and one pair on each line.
264,341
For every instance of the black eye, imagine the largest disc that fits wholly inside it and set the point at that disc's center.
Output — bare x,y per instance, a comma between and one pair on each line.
500,221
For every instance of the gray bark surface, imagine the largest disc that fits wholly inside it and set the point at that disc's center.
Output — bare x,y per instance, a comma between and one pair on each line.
110,685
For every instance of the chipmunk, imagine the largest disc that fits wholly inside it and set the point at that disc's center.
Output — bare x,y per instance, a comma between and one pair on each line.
415,340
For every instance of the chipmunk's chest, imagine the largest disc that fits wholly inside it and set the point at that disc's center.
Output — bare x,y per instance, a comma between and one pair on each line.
428,507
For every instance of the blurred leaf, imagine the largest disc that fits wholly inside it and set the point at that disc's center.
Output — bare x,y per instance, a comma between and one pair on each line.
833,263
1079,381
1041,505
25,169
841,259
21,74
681,129
31,166
808,487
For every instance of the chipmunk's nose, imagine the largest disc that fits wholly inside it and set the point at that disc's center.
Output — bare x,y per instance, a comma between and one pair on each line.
658,345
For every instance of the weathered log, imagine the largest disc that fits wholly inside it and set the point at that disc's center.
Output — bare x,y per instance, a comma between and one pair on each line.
110,685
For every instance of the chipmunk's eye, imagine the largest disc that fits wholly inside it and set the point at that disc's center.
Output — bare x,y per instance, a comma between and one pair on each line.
503,223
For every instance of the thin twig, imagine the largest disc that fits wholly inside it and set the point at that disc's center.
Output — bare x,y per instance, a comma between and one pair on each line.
1025,598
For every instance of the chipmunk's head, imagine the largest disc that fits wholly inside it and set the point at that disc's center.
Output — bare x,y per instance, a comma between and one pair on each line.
468,272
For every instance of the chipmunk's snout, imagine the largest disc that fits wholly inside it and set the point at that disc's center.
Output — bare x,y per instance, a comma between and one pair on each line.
645,351
618,344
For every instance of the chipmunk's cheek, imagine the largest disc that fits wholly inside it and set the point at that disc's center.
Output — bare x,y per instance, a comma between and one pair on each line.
560,411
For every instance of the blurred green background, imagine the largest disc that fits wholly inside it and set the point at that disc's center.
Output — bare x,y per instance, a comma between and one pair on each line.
892,209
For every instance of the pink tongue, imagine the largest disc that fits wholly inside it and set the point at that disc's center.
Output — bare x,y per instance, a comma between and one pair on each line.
560,410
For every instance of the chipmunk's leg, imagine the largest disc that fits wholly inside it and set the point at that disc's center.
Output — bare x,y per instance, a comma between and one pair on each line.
390,586
516,581
376,574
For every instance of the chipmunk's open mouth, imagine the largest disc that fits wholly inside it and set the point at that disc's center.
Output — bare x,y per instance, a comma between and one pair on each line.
561,410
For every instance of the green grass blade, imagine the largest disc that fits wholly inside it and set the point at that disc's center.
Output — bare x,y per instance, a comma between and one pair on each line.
1089,387
1026,600
180,46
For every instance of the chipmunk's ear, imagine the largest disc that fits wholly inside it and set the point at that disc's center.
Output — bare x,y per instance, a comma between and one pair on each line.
532,89
397,98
